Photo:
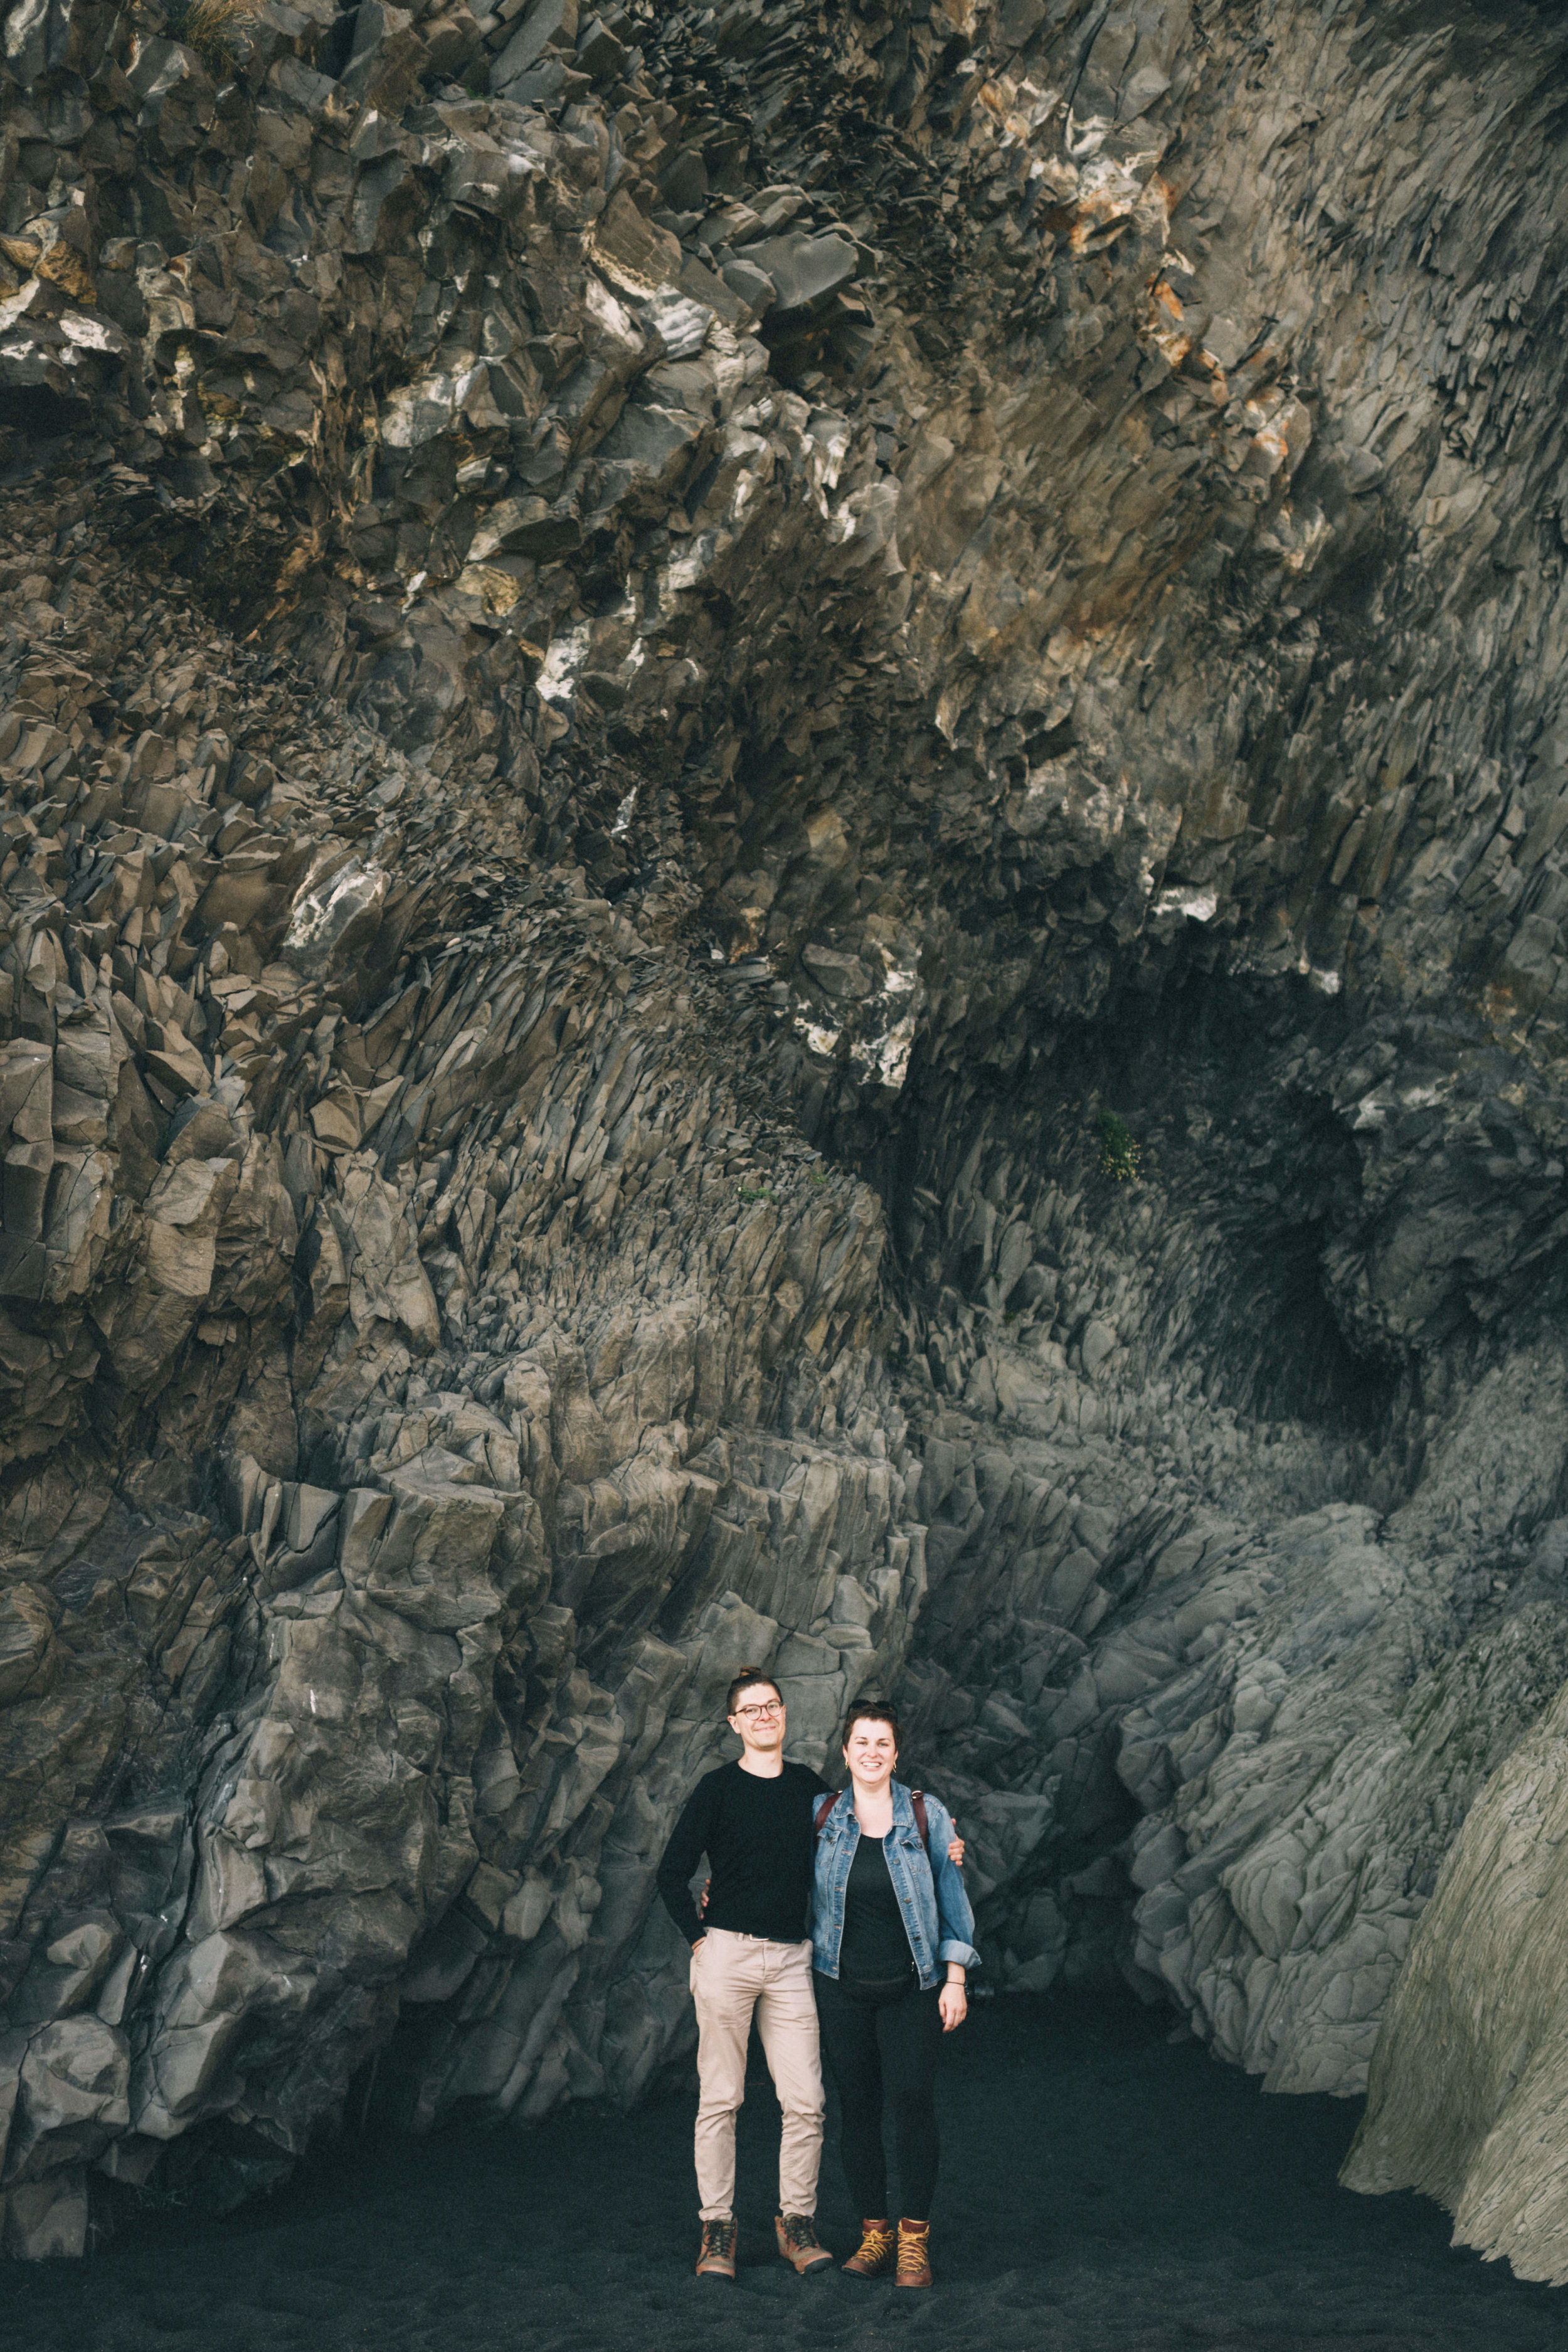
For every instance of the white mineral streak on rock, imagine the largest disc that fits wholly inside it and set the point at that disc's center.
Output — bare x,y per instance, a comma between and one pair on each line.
324,910
556,680
1198,906
818,1037
417,413
829,436
884,1053
688,569
1110,190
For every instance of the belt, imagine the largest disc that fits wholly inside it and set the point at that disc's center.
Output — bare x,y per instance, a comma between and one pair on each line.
901,1983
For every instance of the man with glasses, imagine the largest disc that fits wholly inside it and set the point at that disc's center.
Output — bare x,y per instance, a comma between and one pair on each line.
751,1955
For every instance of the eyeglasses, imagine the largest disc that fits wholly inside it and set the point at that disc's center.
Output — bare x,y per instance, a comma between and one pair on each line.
770,1707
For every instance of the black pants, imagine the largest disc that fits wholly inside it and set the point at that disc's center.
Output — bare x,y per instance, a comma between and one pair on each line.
881,2048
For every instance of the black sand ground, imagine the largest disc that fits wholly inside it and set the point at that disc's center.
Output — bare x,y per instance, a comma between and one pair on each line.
1103,2191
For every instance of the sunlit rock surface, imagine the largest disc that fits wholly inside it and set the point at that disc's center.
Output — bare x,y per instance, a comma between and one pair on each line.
1466,2094
647,658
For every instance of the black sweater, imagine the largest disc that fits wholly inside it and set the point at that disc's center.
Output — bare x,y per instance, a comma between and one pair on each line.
757,1836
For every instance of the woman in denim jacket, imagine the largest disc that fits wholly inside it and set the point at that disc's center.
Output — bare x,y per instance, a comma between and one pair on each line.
891,1943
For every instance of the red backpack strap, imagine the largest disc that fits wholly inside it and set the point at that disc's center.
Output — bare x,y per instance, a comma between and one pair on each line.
824,1807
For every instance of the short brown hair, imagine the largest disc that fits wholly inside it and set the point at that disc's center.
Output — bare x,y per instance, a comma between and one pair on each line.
870,1710
744,1681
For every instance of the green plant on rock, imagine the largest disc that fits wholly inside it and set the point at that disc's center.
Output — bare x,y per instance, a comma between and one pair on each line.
215,29
1119,1155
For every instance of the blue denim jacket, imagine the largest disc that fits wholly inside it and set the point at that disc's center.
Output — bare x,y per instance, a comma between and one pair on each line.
937,1917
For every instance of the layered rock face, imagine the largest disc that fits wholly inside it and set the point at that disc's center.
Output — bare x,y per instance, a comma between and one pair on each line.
781,886
1465,2091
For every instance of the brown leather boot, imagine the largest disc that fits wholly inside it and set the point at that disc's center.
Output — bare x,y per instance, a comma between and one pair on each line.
876,2251
797,2243
716,2259
914,2255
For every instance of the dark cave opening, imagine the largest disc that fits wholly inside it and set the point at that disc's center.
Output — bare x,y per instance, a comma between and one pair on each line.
1226,1362
1245,1175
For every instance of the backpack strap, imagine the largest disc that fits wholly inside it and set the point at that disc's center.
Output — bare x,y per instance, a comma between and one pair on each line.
917,1798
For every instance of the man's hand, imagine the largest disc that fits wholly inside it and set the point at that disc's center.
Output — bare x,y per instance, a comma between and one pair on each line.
952,2003
702,1899
955,1849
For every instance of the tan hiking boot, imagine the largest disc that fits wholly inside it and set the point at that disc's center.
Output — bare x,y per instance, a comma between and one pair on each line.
914,2255
716,2259
875,2254
796,2235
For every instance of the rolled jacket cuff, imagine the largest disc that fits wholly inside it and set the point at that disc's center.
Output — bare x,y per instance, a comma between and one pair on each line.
964,1953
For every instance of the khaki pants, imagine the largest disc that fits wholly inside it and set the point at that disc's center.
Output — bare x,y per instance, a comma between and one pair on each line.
731,1978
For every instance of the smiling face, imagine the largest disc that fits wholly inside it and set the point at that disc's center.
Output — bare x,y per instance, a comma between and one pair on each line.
871,1751
759,1718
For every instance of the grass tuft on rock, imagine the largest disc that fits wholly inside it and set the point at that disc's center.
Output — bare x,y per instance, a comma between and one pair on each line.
1120,1158
215,29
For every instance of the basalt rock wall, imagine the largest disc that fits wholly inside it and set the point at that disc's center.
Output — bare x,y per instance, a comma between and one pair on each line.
651,660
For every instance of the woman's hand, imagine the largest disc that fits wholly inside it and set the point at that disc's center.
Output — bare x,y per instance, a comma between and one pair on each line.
955,1849
953,2004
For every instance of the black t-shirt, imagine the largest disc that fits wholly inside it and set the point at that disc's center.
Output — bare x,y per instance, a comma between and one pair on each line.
875,1948
757,1836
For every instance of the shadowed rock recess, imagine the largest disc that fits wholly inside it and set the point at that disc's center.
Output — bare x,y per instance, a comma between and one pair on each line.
655,664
